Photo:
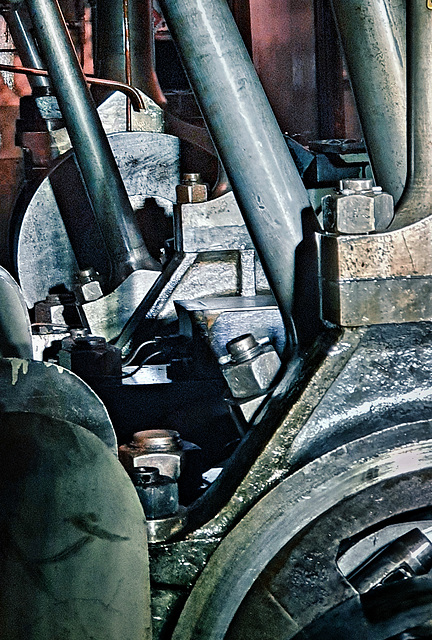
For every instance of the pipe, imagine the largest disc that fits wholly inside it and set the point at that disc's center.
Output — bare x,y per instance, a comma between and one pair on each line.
374,44
105,187
133,94
416,201
264,178
117,54
17,21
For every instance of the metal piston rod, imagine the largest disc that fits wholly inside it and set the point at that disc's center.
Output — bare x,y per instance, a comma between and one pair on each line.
113,212
372,34
17,20
265,180
125,42
416,201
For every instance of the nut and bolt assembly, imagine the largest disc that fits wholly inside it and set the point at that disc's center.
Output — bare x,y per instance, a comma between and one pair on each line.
357,208
158,493
250,367
191,189
91,288
160,448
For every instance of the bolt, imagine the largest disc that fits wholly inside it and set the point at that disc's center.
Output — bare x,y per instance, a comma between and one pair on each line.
243,348
252,367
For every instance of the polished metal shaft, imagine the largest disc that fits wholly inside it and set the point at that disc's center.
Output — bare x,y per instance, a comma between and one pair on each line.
125,45
19,27
416,201
105,187
264,178
373,39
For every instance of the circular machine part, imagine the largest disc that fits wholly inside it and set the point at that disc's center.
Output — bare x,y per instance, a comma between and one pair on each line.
74,560
15,329
275,576
49,390
149,166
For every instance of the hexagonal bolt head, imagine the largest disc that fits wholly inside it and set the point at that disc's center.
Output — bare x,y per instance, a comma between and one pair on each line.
90,286
191,189
91,291
252,377
358,208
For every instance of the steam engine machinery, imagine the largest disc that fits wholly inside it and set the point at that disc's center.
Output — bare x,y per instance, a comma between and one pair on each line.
216,338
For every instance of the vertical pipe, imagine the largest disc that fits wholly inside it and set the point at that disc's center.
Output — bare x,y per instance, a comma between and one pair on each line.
112,44
373,40
416,201
105,187
329,74
19,27
264,178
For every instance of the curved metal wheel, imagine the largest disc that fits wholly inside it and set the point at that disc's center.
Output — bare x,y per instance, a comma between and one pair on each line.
276,575
49,390
44,255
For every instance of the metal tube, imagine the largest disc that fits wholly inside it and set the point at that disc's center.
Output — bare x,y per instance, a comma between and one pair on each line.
105,187
17,21
374,43
264,178
416,201
115,53
133,94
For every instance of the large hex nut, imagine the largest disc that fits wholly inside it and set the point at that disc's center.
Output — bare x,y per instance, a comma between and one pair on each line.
157,448
252,377
191,189
353,212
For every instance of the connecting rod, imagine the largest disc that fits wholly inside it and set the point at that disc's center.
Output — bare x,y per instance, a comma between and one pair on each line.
112,209
17,21
264,178
125,45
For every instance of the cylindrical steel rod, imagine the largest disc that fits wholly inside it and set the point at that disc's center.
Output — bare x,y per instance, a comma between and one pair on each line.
264,178
114,53
105,187
416,201
374,43
17,21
